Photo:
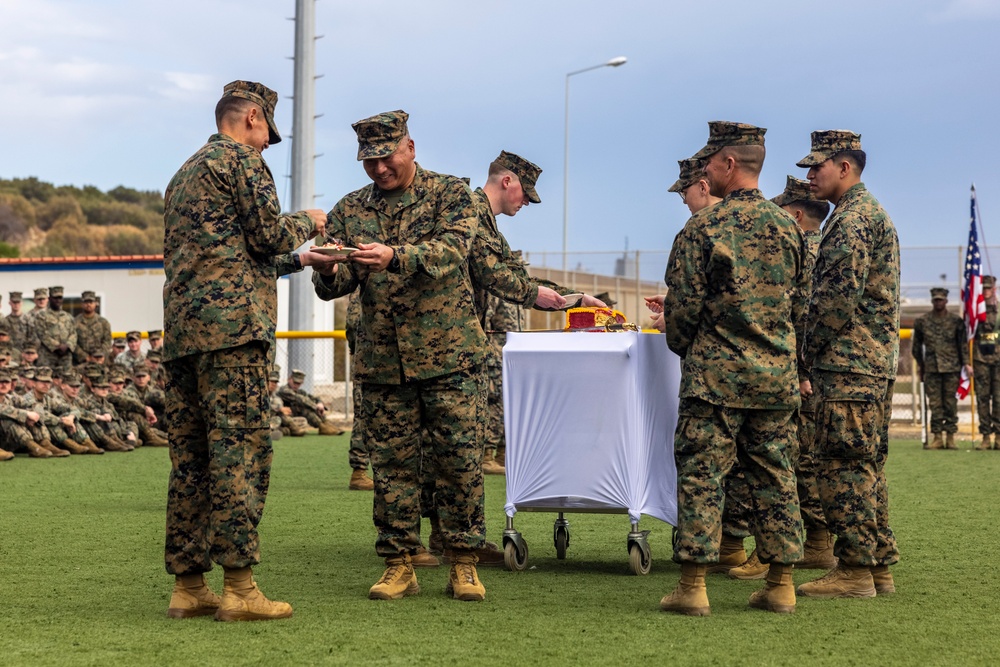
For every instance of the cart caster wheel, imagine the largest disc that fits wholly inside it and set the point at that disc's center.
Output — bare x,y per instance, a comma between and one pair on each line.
515,560
639,560
562,543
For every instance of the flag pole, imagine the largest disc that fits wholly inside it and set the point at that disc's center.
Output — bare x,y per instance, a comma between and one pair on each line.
972,391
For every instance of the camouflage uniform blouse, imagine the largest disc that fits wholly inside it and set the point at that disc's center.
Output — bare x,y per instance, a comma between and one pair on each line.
419,323
736,283
225,244
853,320
940,344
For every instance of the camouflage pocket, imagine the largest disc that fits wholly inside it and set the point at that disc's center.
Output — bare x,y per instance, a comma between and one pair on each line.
240,379
847,430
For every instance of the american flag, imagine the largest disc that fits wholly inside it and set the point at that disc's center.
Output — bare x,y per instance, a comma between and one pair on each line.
974,307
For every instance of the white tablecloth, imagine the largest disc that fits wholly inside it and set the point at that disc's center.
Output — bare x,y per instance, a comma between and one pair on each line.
590,421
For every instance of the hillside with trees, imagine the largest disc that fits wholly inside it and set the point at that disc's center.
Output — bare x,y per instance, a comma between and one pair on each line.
38,219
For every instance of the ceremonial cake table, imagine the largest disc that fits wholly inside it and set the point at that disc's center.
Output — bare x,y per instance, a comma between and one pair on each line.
590,421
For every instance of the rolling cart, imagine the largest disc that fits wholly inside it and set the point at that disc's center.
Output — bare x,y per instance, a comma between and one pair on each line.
590,420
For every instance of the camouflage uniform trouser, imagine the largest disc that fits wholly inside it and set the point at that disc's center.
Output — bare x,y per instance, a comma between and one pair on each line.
60,434
495,440
988,397
15,436
357,455
852,445
311,416
737,517
807,466
709,439
218,410
438,421
941,400
53,360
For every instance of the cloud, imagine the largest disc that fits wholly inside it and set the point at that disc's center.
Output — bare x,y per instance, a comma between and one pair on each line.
964,10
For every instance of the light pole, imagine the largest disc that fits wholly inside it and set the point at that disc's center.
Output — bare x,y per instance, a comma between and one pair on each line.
614,62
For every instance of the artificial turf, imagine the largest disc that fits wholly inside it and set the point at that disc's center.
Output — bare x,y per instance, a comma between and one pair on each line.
82,579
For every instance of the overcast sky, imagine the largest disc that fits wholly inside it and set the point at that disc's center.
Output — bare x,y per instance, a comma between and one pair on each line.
121,92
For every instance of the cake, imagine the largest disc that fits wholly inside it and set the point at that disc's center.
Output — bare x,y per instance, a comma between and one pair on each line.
592,318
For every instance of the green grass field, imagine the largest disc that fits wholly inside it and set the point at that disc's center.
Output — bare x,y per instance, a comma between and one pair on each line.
83,580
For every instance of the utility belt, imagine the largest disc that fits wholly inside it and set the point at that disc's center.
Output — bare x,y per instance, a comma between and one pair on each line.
988,342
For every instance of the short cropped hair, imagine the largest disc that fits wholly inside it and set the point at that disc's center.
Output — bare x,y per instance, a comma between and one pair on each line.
857,158
814,210
748,158
231,106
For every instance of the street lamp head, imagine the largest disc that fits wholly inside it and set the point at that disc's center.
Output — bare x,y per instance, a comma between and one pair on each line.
617,62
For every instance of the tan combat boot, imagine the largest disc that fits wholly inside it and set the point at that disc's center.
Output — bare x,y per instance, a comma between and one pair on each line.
950,441
690,597
937,442
243,601
75,448
36,451
491,466
463,580
778,594
156,440
984,443
360,481
424,558
91,447
882,578
5,455
115,445
192,597
398,580
731,554
996,441
326,428
843,581
55,451
818,551
752,569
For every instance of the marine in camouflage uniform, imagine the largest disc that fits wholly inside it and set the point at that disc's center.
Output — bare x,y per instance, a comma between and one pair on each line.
17,323
108,429
736,283
282,421
225,244
419,350
941,349
56,333
129,403
357,453
851,352
133,357
41,302
93,332
986,365
305,405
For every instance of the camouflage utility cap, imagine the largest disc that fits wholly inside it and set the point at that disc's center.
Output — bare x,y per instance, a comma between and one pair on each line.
692,171
133,335
41,292
43,374
154,355
118,342
27,372
155,334
939,293
88,295
379,136
29,349
274,376
15,297
260,95
298,375
795,190
4,329
722,133
102,383
56,291
140,369
5,376
989,281
827,143
73,380
526,172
